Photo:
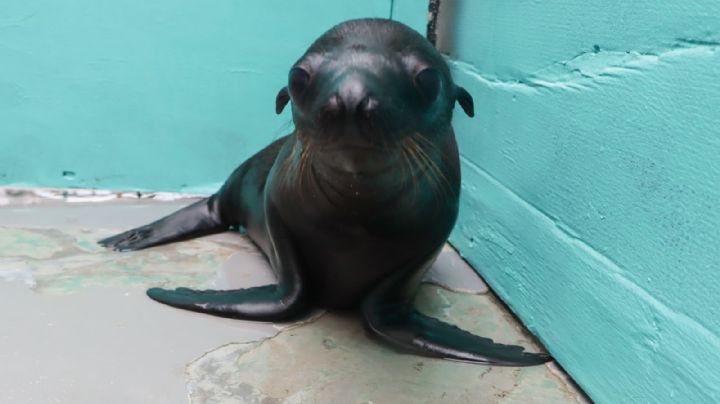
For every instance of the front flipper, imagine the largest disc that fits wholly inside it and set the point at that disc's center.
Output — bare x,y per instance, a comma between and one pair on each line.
283,301
262,303
390,316
199,219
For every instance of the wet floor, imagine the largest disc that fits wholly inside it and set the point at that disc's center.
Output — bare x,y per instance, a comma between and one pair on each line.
78,327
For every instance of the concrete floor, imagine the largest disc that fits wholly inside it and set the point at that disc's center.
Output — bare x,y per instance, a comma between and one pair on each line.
79,329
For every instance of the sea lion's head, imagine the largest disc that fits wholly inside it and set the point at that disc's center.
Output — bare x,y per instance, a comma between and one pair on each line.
365,89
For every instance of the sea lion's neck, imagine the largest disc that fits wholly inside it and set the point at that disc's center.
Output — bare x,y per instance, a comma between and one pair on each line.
367,178
340,176
352,178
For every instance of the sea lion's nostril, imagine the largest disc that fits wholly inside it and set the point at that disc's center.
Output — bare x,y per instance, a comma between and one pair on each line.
334,105
367,107
332,112
338,110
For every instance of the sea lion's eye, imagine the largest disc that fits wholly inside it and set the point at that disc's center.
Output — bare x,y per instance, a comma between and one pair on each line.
427,83
298,81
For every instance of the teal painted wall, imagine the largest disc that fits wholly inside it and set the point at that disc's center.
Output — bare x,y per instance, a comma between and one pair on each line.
590,171
149,95
592,183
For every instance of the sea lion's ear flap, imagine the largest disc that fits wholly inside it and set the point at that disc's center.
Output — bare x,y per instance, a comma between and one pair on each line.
465,100
281,100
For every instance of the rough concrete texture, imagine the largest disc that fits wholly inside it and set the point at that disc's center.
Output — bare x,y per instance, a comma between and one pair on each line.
78,327
591,184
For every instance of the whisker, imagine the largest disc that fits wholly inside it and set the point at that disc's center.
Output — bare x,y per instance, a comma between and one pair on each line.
408,165
439,153
422,165
302,166
284,168
437,179
434,164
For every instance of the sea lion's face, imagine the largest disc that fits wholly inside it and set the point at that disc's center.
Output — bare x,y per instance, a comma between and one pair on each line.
366,87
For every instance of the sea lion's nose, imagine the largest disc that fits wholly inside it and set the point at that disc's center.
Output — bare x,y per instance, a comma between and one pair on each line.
352,101
352,92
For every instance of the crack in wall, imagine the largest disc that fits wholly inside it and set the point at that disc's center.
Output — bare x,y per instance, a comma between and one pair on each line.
588,70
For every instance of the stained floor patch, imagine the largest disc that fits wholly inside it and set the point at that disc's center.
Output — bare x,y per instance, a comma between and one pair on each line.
78,327
68,260
333,361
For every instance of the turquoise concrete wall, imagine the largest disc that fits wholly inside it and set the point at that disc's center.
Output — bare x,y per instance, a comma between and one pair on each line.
590,171
592,183
149,95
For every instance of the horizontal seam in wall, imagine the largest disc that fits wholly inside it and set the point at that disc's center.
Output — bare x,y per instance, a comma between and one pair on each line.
617,271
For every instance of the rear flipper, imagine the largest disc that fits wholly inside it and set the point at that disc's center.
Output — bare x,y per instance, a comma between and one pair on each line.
405,328
390,316
199,219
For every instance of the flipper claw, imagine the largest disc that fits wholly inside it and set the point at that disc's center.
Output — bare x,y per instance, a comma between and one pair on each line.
131,240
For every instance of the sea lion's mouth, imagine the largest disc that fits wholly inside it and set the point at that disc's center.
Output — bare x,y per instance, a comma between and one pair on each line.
362,161
352,148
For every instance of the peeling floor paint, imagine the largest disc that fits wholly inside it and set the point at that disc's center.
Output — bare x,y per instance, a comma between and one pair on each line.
80,329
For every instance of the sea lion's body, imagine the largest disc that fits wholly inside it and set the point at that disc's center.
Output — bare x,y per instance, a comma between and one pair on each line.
354,205
345,249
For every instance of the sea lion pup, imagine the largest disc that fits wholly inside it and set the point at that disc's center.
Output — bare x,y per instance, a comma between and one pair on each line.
355,204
